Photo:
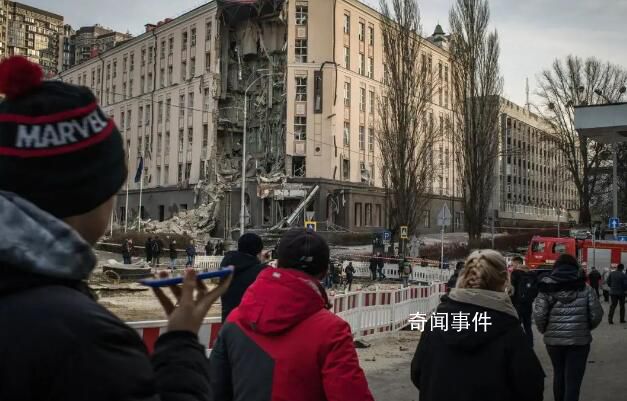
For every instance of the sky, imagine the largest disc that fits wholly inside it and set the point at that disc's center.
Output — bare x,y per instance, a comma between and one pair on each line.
532,32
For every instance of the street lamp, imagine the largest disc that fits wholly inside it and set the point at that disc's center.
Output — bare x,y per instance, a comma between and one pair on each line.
242,216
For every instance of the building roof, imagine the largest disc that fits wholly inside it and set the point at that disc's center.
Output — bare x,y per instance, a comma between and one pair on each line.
438,30
37,10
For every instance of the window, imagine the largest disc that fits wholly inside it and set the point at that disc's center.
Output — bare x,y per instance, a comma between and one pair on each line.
115,68
206,100
150,54
368,220
142,82
183,70
180,173
379,216
298,166
362,137
362,32
362,99
371,139
357,214
537,247
208,61
426,218
140,114
301,89
161,78
362,64
300,50
372,102
300,128
168,104
166,174
446,98
347,133
184,39
170,46
346,169
190,102
317,91
170,74
181,106
371,35
208,26
122,121
370,71
347,58
446,73
440,97
143,57
440,70
347,94
148,114
301,14
130,88
192,68
132,61
347,24
162,50
193,37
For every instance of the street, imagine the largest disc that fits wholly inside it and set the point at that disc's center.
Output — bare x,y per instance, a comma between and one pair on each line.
605,378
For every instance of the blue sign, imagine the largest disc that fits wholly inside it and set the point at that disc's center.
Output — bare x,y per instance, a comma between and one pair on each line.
622,238
387,236
614,223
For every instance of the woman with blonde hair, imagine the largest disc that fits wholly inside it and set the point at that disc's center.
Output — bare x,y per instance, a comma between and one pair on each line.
473,347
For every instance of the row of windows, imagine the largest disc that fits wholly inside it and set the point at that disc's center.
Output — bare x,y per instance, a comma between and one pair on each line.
362,98
361,32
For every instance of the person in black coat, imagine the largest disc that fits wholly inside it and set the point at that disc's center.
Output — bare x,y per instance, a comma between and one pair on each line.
56,342
525,289
157,248
594,277
453,280
487,362
350,273
209,248
148,249
373,266
247,266
380,265
617,281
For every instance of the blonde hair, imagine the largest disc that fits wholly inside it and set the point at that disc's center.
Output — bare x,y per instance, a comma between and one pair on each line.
484,269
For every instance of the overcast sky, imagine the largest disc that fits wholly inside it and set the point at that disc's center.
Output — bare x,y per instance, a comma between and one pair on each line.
532,32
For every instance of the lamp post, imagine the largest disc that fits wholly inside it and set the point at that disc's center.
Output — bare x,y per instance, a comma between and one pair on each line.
242,216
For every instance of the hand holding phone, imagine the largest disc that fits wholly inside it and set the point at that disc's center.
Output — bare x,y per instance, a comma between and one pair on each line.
188,313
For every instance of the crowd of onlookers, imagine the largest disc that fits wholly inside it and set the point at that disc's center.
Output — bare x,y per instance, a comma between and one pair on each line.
154,247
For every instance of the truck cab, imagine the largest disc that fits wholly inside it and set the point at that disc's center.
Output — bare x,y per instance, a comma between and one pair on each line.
546,250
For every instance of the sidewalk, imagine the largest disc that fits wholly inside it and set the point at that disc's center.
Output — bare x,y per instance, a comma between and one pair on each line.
605,379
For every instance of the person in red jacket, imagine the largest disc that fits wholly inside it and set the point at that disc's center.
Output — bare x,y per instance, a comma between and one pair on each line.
282,342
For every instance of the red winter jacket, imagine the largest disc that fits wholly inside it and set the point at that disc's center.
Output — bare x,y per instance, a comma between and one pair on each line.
281,344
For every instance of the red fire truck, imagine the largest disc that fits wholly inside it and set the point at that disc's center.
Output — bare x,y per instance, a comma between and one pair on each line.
545,250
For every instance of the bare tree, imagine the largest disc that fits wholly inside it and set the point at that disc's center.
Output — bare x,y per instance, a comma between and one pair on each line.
405,136
572,82
477,86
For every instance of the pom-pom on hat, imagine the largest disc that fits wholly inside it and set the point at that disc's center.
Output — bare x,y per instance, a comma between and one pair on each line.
58,149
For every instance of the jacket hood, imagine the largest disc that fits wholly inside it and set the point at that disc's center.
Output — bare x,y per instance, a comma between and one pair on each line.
563,283
242,261
280,299
35,243
497,306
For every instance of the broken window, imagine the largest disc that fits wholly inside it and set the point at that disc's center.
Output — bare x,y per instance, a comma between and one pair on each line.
300,128
347,94
300,50
347,133
301,89
346,169
362,99
371,139
301,14
347,23
298,166
317,91
362,137
347,58
371,34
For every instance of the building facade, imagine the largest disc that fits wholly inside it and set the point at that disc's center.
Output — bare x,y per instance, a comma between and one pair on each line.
307,74
90,41
534,185
32,33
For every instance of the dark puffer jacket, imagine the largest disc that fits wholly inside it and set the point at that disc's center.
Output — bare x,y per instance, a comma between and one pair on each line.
566,309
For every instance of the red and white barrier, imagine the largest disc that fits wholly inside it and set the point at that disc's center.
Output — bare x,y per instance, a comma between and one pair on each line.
150,330
391,270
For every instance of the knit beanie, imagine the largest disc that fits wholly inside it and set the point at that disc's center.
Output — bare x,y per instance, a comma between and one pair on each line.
250,243
304,250
58,149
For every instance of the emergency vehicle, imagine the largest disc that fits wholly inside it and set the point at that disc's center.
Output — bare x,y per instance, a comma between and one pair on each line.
546,250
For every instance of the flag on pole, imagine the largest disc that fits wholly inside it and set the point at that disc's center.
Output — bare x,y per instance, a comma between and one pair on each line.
140,169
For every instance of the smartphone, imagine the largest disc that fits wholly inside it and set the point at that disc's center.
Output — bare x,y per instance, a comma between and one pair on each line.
165,282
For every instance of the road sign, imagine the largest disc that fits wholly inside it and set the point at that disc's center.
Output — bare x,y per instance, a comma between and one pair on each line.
404,232
387,237
311,225
613,223
444,216
622,238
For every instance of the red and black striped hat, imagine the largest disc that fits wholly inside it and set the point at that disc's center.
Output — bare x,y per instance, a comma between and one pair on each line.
58,149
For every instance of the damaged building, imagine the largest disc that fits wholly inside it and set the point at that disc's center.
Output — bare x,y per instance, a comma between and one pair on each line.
291,83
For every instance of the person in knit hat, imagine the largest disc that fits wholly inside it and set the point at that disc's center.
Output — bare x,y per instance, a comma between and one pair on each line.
61,164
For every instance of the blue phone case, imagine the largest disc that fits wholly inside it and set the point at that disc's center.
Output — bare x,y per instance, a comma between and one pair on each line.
165,282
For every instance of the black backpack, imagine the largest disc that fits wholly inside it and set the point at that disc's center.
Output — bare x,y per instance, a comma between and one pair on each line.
526,289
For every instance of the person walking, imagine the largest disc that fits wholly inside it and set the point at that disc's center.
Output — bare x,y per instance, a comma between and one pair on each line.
282,342
126,252
566,311
209,248
190,251
247,266
219,250
157,248
148,250
594,277
604,287
350,272
617,281
454,362
380,265
173,254
57,192
373,266
404,270
524,284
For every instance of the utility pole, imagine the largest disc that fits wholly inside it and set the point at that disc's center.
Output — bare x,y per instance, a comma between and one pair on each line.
615,186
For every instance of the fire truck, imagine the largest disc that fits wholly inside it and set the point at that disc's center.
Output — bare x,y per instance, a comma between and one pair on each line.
544,251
